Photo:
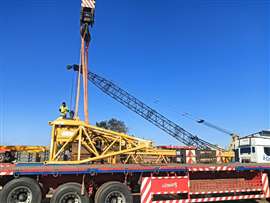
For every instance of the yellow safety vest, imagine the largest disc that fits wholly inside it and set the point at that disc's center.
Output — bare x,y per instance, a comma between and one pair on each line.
63,110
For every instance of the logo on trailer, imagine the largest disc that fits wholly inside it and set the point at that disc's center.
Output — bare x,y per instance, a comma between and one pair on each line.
169,185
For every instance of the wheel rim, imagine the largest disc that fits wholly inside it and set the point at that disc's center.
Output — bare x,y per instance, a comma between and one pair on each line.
2,158
70,197
115,197
20,194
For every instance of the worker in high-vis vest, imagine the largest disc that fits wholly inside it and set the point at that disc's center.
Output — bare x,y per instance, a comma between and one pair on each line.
63,110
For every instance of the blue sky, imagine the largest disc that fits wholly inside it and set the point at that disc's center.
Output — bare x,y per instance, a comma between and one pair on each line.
209,58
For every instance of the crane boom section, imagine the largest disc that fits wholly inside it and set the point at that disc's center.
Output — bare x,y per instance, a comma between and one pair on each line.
148,113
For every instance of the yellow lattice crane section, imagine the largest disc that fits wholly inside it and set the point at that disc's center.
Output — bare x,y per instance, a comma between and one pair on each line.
24,148
90,144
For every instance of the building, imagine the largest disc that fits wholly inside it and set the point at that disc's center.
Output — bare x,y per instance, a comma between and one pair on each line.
254,148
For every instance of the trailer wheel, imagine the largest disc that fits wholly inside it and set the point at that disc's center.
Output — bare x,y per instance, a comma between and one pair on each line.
2,158
113,192
69,193
22,190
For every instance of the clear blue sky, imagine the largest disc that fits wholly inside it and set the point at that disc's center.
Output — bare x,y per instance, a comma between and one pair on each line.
209,58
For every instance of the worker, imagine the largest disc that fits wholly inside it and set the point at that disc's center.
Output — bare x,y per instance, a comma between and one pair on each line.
63,110
67,154
71,114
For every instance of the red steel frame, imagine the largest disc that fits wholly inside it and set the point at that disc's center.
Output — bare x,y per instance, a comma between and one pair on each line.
188,183
255,188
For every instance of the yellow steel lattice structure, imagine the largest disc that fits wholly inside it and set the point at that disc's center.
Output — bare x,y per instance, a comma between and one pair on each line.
90,144
24,148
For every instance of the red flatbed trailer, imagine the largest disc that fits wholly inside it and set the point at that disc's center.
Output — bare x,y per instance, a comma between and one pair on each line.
172,183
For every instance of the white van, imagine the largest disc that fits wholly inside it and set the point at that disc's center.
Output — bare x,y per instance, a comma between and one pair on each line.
253,148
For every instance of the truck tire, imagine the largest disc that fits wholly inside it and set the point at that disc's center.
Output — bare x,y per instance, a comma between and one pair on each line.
113,192
2,158
69,192
23,190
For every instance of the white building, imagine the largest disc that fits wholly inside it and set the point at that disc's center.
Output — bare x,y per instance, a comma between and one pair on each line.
254,148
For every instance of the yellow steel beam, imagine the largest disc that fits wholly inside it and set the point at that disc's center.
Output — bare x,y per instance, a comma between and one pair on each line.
111,144
22,148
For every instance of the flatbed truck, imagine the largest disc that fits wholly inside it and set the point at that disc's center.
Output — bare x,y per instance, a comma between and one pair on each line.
21,152
119,183
83,180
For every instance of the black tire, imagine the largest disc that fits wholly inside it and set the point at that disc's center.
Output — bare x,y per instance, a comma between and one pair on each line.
109,191
2,158
69,191
21,189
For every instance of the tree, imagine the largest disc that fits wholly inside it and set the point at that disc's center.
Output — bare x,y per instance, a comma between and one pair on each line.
114,125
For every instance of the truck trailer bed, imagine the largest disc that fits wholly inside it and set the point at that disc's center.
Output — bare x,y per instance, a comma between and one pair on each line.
46,169
177,183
